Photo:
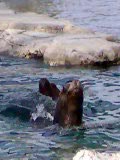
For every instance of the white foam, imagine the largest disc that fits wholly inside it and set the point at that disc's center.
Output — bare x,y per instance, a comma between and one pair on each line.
41,112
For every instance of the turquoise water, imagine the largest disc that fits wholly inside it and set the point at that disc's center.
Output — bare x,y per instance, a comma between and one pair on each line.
19,137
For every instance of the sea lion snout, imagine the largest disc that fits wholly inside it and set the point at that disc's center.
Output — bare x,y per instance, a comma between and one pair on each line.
75,84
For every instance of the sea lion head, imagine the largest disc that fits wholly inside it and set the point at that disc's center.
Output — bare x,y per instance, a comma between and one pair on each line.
74,95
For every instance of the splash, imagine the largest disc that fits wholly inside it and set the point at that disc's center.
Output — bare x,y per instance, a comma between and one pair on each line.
42,113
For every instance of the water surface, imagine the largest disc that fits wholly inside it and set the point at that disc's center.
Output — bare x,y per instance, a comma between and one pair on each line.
19,139
102,16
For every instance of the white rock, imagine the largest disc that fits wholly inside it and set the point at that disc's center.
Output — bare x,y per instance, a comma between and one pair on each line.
58,42
93,155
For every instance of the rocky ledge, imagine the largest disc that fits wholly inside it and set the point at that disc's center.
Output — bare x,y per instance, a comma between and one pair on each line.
57,42
93,155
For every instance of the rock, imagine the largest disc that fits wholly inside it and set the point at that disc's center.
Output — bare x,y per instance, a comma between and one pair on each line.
94,155
17,111
28,106
57,42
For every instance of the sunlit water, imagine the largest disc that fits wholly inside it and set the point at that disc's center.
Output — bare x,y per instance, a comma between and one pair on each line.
19,137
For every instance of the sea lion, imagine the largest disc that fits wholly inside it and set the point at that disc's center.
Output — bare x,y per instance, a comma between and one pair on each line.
69,107
48,89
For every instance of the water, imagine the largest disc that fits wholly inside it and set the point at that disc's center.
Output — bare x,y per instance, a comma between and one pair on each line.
100,15
19,138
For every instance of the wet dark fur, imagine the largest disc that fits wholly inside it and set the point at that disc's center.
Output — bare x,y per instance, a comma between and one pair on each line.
48,89
69,108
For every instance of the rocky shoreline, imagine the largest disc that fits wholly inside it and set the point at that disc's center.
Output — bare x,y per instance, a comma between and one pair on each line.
56,42
93,155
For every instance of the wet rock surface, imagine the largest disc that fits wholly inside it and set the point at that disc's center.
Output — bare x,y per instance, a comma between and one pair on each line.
57,42
93,155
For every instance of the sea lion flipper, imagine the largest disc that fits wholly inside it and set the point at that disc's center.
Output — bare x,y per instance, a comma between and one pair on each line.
48,89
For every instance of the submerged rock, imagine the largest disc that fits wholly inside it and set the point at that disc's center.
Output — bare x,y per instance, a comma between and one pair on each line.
57,42
17,111
28,106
